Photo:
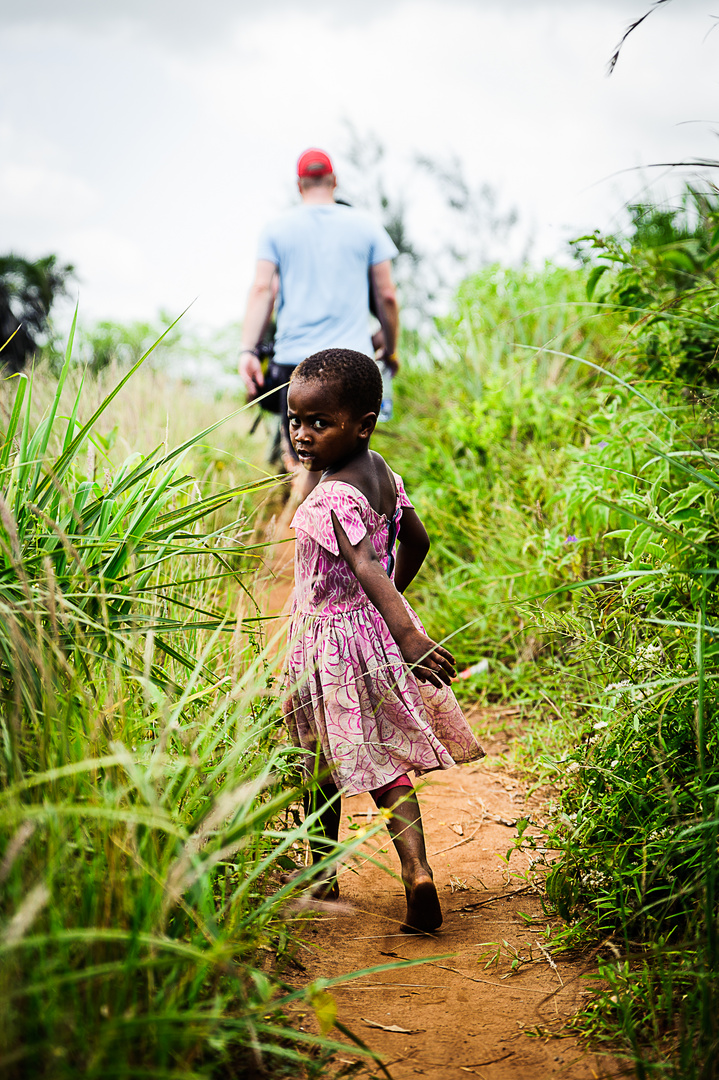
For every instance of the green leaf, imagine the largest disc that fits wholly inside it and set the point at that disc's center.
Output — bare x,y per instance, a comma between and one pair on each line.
593,279
14,419
679,259
325,1008
46,427
522,824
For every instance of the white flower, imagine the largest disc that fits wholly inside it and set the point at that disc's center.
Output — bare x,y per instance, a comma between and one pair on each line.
595,879
648,656
660,834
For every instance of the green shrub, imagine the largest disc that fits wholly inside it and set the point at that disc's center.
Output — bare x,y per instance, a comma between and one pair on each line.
639,821
663,280
484,440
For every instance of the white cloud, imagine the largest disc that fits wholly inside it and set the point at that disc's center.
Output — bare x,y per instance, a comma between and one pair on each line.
46,195
109,267
181,24
152,164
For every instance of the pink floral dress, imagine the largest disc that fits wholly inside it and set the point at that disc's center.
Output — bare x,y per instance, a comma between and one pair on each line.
352,704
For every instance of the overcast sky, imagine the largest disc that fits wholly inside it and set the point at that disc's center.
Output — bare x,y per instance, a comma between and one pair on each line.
147,141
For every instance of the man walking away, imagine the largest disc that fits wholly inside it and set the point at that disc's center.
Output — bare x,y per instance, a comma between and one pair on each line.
320,259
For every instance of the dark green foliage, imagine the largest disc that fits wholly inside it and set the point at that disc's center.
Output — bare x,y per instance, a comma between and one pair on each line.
487,435
664,280
640,817
562,447
27,292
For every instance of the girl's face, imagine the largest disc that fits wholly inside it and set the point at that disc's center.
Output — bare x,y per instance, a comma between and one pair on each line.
324,433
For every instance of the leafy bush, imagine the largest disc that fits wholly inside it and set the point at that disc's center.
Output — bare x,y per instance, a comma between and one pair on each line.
639,822
663,280
485,439
27,293
561,455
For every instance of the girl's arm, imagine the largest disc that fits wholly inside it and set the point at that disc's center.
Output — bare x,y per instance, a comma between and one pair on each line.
429,661
411,550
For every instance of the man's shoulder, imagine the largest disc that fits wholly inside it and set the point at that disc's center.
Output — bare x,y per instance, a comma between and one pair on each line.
332,225
287,217
334,216
358,214
358,222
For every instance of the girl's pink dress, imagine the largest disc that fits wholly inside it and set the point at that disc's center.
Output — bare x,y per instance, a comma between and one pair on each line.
352,703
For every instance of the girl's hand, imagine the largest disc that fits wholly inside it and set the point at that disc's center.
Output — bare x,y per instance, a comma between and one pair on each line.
429,661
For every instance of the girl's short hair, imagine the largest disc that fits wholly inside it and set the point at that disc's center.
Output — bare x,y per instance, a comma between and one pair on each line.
354,376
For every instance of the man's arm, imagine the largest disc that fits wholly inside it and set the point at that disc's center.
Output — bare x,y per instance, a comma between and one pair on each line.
385,296
259,308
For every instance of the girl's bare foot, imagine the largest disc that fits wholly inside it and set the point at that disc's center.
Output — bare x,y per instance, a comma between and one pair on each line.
423,911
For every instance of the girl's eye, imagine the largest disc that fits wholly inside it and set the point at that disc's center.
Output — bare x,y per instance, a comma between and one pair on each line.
294,422
320,424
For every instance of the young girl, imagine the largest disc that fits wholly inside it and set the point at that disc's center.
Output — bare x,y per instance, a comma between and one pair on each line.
369,695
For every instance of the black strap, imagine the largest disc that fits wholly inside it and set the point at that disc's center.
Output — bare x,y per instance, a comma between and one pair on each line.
392,530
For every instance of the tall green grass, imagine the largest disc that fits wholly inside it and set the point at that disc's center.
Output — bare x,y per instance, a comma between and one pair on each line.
569,482
485,438
640,819
146,794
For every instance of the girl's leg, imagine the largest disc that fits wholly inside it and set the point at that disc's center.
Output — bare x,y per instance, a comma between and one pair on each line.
405,827
324,835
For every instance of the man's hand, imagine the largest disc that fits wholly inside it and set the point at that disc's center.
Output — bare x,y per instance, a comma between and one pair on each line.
257,314
251,373
390,359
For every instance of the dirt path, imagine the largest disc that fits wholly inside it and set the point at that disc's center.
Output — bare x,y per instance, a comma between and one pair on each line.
458,1016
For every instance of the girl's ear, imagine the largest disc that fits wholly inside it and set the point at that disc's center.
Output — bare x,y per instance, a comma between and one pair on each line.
367,425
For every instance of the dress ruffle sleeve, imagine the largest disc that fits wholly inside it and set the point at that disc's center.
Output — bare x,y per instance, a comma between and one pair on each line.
314,516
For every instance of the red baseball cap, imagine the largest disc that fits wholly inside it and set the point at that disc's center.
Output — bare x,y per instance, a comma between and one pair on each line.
314,163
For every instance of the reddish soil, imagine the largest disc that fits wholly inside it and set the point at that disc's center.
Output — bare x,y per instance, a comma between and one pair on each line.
458,1017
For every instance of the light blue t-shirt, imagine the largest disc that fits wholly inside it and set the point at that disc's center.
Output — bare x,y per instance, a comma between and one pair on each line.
323,254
